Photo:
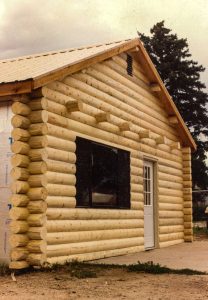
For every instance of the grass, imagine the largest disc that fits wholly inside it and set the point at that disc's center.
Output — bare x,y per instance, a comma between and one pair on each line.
4,269
150,267
89,270
200,230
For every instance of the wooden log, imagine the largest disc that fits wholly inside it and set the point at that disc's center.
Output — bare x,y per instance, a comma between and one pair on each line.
170,184
171,243
187,184
37,142
19,253
105,72
173,120
37,233
170,199
37,181
145,134
37,155
101,117
56,96
19,108
171,236
171,206
19,134
36,259
57,201
155,87
101,91
19,200
39,193
76,248
161,140
37,207
61,144
170,214
19,173
36,220
86,129
171,221
20,147
170,192
188,211
111,105
171,229
35,104
188,232
36,116
96,224
20,187
18,226
172,178
186,150
63,133
36,246
60,167
175,145
73,106
19,160
61,190
169,170
60,155
88,214
125,126
18,240
38,129
18,121
18,213
39,167
22,98
60,178
97,235
18,265
94,255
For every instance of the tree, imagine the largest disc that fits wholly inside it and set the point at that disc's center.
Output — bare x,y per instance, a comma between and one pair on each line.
181,76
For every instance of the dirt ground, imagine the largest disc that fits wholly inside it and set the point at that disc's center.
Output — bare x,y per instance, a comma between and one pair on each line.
109,284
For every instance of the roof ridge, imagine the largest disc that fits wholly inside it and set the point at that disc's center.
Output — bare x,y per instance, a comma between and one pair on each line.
37,55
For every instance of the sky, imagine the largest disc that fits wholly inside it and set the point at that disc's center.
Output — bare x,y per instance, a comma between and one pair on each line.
33,26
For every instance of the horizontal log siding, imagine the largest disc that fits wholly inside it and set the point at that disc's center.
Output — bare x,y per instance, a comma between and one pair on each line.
85,234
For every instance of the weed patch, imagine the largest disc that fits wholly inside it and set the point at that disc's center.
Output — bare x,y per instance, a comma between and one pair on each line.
4,269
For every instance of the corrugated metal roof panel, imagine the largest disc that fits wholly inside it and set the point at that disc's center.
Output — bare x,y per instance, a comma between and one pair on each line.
32,66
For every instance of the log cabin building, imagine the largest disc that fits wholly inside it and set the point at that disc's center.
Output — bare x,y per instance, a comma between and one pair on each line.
100,157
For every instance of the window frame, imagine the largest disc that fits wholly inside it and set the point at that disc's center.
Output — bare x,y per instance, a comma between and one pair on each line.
121,203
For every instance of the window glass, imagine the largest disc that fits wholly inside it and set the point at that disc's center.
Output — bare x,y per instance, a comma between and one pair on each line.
104,175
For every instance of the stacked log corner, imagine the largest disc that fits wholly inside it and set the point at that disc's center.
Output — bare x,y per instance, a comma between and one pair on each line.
37,181
28,238
20,187
187,194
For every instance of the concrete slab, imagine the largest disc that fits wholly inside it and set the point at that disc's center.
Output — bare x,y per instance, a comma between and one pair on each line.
186,255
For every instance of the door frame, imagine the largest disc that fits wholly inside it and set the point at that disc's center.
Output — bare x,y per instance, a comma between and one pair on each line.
154,161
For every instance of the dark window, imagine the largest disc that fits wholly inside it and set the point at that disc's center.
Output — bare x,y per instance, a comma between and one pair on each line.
129,67
103,175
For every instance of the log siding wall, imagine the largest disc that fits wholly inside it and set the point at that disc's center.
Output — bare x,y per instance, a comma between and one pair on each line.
58,231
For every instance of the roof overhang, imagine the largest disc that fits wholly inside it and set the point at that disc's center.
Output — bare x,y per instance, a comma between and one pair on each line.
137,49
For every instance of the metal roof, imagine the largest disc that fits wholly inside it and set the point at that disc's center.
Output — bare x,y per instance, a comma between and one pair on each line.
32,66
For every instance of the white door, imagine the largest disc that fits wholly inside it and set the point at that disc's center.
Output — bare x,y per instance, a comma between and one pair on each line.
149,235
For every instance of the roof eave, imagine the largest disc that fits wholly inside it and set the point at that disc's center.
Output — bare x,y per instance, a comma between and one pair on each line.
164,95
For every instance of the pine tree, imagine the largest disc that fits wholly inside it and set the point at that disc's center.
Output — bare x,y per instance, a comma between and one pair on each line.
181,76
